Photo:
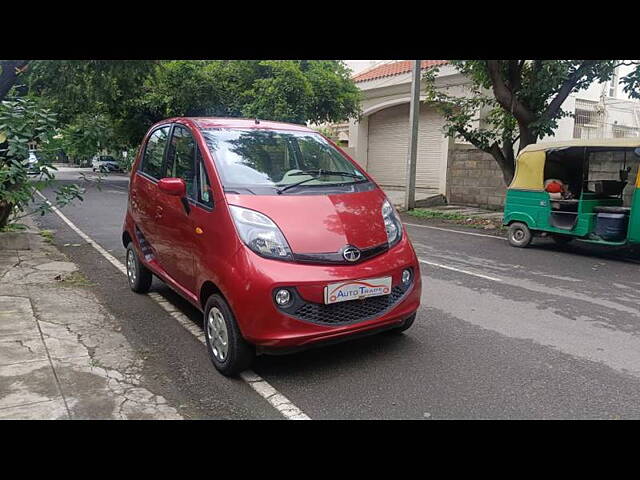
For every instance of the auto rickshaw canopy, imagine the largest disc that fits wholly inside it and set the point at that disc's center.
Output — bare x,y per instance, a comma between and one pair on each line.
529,174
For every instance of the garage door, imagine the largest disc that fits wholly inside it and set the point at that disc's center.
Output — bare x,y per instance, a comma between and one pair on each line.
389,143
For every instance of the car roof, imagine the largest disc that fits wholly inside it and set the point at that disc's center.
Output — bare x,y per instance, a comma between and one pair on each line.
204,123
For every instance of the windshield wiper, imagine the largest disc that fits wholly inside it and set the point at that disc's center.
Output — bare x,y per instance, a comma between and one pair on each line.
326,172
314,175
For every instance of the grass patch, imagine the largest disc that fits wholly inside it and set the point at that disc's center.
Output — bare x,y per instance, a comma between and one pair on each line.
494,224
14,227
426,213
47,236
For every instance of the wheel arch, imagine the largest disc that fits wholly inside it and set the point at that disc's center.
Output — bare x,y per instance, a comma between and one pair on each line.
520,217
207,289
126,238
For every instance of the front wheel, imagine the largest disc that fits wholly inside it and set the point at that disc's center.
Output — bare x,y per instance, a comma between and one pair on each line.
228,350
519,235
139,276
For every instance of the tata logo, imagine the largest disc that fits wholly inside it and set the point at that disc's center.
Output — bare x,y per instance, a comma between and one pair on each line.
351,254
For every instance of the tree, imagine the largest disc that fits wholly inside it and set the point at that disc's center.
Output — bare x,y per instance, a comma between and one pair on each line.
520,101
23,121
102,90
133,95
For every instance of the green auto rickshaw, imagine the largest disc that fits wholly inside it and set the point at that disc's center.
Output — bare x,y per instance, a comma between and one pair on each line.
587,190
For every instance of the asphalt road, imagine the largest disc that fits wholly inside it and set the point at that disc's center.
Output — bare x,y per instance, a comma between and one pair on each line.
543,332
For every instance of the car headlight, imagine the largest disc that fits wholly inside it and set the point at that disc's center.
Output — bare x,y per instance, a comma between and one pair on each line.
260,234
392,223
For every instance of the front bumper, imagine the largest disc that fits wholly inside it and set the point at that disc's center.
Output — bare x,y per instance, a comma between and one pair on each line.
265,325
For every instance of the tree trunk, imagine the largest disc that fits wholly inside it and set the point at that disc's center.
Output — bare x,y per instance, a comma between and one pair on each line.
504,159
5,212
526,136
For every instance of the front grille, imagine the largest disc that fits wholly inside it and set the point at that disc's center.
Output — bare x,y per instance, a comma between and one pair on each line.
347,312
336,257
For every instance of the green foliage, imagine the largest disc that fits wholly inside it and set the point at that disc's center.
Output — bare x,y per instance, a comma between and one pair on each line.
132,95
285,90
24,121
632,83
282,92
86,135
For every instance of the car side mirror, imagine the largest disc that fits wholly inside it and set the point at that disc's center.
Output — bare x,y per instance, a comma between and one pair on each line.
173,186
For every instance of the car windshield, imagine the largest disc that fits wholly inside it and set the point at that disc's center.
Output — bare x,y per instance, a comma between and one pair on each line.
275,160
107,159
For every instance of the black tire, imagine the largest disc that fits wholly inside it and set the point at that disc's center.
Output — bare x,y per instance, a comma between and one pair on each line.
405,326
139,276
561,239
519,235
239,354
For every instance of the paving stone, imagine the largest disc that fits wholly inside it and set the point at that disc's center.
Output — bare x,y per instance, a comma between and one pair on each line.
27,382
21,348
49,410
16,317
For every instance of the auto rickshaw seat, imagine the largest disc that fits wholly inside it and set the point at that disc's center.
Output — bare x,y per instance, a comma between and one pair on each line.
623,210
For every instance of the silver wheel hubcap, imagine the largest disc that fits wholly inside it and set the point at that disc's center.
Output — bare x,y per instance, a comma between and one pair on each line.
217,334
131,267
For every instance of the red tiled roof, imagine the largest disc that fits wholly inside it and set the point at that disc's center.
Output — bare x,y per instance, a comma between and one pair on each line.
391,69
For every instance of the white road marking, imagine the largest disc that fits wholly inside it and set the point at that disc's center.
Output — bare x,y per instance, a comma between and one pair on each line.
255,381
454,231
446,267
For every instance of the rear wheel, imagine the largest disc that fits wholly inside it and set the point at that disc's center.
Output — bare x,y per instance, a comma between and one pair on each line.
140,277
519,235
228,350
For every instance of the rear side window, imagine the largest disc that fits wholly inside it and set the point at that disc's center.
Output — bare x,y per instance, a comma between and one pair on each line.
181,159
154,153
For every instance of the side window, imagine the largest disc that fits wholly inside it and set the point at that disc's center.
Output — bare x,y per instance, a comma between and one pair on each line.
154,153
205,194
181,159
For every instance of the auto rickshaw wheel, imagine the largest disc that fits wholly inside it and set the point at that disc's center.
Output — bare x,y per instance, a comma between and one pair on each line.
519,235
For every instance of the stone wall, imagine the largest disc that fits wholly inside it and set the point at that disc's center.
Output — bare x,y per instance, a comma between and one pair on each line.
607,166
474,178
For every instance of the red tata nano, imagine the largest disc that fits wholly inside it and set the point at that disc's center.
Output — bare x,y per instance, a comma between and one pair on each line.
272,231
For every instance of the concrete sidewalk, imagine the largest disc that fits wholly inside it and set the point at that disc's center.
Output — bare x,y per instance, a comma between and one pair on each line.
61,353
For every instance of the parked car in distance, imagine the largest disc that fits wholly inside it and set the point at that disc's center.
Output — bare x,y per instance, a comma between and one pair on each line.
105,164
270,230
32,163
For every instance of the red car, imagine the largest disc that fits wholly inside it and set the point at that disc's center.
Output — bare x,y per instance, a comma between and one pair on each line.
272,231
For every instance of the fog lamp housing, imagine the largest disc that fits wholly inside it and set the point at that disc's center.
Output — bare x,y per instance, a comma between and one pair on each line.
283,297
406,276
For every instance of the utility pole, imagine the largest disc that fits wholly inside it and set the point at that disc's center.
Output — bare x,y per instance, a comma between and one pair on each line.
414,115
